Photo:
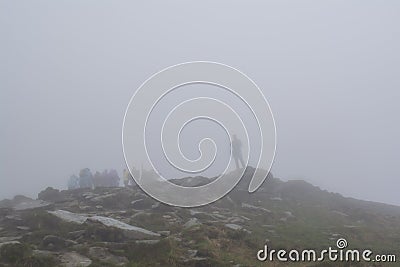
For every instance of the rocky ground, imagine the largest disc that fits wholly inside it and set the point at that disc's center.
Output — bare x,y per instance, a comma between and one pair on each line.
125,227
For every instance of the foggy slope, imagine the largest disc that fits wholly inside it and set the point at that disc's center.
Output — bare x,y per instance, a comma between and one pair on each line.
115,226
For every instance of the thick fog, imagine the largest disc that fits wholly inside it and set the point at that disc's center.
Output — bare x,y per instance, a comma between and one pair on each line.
329,70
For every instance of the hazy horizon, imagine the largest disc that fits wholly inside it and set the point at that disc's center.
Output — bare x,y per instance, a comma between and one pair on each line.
330,72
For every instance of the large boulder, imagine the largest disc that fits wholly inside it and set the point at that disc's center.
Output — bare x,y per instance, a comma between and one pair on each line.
31,204
52,242
22,203
51,195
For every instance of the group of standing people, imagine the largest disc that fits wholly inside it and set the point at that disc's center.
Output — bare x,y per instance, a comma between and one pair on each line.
107,178
110,178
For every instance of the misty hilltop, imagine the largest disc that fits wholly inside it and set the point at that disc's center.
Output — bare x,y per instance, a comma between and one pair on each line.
115,226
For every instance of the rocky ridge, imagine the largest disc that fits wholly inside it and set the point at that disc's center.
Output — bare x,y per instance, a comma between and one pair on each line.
125,227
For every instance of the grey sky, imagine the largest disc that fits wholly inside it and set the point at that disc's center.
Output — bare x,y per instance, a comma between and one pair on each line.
329,69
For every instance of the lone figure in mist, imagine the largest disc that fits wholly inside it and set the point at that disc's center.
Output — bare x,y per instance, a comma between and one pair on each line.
237,151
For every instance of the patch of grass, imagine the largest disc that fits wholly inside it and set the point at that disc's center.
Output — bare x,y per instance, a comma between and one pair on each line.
20,255
37,261
164,253
42,221
11,253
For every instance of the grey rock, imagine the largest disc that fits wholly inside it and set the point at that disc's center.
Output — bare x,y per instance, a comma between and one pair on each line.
43,253
10,203
69,216
219,216
236,220
268,225
70,243
23,228
156,205
247,231
76,234
192,253
51,195
194,212
73,259
103,255
103,198
31,204
351,226
192,222
9,243
89,195
234,226
142,204
249,206
149,242
9,238
53,242
13,217
164,233
129,231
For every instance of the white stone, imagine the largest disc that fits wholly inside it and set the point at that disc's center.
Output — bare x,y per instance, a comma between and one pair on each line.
69,216
249,206
233,226
192,222
121,225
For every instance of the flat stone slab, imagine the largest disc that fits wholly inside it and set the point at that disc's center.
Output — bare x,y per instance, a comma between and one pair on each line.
33,204
9,242
130,230
147,242
133,231
9,238
249,206
69,216
233,226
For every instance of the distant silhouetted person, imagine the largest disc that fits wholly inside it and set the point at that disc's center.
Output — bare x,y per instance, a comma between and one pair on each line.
73,182
237,151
